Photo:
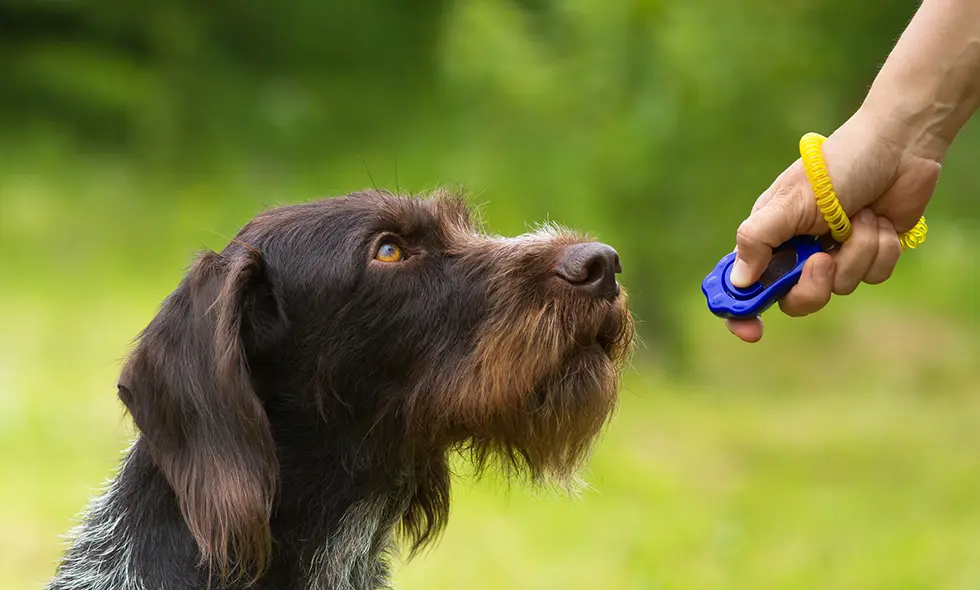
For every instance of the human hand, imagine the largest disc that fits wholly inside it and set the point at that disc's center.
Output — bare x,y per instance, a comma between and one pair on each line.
882,185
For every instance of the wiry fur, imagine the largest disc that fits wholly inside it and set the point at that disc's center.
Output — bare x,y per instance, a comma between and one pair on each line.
297,399
101,558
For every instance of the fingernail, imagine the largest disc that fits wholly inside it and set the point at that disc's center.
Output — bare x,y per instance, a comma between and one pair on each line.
740,273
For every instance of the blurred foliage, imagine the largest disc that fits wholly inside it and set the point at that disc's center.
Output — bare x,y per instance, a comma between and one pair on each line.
134,134
657,120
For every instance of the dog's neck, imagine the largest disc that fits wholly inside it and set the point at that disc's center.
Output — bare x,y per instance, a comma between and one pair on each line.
336,534
334,520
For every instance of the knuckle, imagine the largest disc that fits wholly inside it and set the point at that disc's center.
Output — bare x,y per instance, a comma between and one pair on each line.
747,232
789,308
865,234
891,248
845,287
849,274
881,273
889,252
794,309
804,301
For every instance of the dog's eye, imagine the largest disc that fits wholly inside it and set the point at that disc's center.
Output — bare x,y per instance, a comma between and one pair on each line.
388,252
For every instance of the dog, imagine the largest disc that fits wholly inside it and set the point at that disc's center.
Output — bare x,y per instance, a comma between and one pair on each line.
299,395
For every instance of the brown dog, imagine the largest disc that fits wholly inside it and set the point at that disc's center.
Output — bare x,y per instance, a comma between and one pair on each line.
298,393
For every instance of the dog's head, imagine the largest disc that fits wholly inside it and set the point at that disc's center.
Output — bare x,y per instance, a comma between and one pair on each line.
384,317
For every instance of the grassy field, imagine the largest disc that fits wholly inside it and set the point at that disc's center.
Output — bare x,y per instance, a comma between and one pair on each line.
843,452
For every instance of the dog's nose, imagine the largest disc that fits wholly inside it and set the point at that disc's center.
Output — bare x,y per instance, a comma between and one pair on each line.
591,268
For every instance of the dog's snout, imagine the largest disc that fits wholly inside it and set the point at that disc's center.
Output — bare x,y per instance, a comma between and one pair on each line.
591,268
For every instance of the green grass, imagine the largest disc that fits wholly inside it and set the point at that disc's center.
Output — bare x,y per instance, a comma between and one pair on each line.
707,490
842,452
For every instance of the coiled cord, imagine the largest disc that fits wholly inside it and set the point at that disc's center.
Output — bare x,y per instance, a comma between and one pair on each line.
829,205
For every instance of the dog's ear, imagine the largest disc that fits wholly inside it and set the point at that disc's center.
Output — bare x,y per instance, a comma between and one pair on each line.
188,388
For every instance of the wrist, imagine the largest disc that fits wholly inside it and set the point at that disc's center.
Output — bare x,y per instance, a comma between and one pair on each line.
906,126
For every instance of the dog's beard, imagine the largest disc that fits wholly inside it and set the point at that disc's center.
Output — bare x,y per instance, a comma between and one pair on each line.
542,387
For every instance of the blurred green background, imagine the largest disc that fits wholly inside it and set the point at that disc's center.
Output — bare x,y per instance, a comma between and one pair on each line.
842,452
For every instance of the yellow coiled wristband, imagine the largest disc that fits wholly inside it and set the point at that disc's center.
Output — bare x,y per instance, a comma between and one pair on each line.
829,205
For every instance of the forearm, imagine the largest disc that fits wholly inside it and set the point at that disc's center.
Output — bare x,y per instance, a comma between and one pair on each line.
930,84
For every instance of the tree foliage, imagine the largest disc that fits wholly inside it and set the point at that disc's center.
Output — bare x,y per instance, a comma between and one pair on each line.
654,123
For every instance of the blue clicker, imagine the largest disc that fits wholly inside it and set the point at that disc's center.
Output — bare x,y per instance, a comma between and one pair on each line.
728,301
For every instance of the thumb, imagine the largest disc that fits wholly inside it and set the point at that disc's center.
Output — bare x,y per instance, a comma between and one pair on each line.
776,221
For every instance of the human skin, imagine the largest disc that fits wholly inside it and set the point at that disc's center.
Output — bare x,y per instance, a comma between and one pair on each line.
884,162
